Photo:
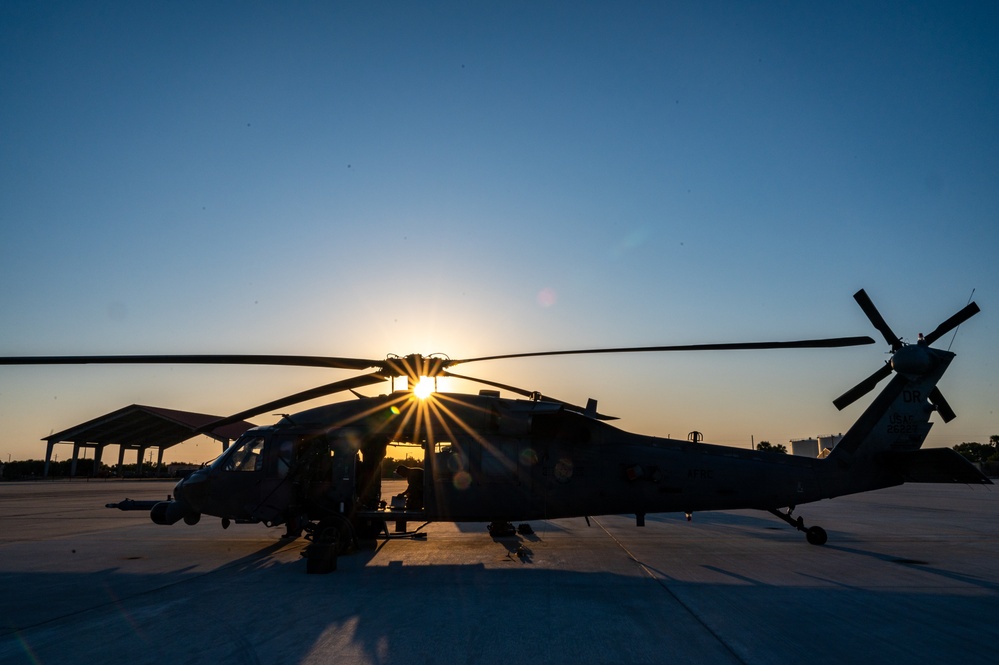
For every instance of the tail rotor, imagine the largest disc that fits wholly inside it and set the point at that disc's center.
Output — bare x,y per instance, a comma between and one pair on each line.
908,359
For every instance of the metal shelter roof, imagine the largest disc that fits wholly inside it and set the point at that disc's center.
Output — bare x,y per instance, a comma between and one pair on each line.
142,426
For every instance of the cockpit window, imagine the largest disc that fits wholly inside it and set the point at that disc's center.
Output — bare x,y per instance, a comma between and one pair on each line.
247,456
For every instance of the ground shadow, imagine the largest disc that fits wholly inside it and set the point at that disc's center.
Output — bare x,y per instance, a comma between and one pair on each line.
263,608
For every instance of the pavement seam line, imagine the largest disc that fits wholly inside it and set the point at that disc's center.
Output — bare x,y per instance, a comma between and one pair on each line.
645,569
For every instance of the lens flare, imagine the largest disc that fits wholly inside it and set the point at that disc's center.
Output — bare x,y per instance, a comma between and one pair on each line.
547,297
462,480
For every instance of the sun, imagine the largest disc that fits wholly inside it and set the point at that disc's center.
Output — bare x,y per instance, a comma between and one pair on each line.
424,388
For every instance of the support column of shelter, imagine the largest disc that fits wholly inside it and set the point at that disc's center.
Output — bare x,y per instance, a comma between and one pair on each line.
84,445
76,456
48,458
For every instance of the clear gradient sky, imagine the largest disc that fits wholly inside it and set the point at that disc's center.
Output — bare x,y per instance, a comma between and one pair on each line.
358,179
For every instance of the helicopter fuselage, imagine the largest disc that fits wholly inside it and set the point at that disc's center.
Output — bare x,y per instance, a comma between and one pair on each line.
485,459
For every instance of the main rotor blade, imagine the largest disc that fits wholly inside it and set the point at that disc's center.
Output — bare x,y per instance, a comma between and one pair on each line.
304,396
877,320
943,408
862,388
205,359
966,313
526,393
832,342
494,384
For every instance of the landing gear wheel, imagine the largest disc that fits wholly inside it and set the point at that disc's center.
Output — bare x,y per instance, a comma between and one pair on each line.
369,528
321,556
329,538
816,535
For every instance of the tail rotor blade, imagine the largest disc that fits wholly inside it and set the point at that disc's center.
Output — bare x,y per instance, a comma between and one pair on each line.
862,388
943,408
877,320
966,313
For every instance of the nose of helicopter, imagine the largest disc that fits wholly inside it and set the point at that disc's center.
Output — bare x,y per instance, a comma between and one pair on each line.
193,491
188,501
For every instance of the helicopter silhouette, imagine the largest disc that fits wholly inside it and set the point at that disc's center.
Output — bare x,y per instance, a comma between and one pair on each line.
499,460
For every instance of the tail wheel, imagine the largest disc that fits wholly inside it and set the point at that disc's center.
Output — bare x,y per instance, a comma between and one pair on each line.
816,535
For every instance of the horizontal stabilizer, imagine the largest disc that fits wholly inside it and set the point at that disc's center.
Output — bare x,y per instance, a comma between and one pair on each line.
934,465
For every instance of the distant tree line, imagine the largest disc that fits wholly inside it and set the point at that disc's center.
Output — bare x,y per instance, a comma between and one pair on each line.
389,465
30,469
980,453
766,446
27,469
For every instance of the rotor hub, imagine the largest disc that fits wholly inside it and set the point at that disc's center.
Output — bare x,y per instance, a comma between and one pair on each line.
414,366
912,360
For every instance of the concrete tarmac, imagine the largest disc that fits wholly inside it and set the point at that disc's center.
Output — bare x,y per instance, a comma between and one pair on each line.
910,575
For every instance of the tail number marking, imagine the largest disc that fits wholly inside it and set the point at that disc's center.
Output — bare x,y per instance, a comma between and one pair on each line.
901,424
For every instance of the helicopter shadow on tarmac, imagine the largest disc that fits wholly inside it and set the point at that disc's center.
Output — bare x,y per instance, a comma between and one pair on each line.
923,566
538,526
261,608
893,552
742,523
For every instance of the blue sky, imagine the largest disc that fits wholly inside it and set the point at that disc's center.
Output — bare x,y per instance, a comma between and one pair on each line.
359,179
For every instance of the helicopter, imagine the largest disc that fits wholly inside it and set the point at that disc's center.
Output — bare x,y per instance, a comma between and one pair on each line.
497,460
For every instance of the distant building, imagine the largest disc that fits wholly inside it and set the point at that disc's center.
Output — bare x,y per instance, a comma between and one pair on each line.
814,447
805,447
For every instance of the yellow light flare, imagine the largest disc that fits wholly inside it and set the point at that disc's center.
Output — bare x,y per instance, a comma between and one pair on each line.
424,387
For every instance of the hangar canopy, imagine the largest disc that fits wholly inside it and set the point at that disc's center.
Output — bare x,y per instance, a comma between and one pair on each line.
139,428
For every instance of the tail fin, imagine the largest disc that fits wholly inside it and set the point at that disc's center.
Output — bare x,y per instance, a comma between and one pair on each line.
898,420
